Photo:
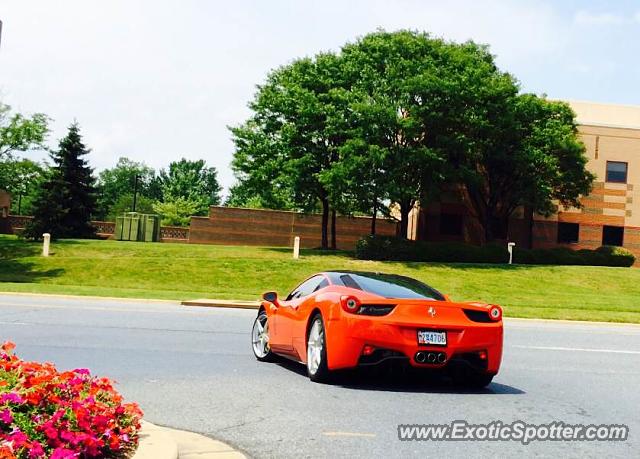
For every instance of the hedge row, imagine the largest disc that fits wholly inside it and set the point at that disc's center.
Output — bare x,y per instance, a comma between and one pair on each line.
397,249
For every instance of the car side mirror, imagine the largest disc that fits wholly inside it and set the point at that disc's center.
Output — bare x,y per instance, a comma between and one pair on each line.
271,297
447,298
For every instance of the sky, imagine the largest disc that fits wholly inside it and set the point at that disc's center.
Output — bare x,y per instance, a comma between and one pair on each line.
157,80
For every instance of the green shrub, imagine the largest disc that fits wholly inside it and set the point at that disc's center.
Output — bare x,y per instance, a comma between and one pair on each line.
592,257
618,256
386,248
393,248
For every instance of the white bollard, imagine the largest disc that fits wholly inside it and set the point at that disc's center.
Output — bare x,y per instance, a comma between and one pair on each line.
510,247
296,247
45,244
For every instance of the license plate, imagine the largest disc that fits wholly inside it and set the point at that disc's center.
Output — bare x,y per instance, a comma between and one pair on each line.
432,337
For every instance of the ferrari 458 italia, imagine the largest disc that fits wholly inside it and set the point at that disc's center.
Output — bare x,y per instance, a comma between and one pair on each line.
343,319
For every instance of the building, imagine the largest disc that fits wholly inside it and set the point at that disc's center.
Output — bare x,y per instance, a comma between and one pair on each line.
610,214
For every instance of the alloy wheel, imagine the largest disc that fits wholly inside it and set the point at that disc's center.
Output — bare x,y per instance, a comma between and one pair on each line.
260,336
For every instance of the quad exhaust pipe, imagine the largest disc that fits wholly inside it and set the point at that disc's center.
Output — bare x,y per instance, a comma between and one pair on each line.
430,357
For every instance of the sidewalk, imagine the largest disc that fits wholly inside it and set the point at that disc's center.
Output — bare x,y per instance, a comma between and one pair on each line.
164,443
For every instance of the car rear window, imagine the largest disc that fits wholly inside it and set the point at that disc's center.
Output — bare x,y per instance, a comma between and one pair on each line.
390,286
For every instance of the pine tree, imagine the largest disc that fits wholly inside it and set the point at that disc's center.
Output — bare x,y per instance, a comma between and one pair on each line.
66,201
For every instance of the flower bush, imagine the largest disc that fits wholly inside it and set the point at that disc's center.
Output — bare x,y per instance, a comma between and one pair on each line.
49,414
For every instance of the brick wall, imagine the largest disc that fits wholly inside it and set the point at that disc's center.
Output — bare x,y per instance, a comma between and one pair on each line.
17,223
234,226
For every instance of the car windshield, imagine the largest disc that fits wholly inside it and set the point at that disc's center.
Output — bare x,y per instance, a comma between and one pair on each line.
390,286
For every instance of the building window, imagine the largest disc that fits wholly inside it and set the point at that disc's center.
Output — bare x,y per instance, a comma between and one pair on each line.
451,224
616,172
568,233
612,235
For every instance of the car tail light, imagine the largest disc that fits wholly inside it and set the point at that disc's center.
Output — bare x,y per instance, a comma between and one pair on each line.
495,313
368,350
350,303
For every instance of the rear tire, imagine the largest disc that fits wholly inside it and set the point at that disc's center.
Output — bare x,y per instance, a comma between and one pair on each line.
260,338
317,369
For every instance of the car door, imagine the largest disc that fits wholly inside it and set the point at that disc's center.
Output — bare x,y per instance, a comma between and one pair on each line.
300,319
288,314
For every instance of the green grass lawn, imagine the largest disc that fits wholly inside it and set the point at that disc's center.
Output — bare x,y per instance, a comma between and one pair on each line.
189,271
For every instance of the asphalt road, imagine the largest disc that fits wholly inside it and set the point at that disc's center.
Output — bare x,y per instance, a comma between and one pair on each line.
192,368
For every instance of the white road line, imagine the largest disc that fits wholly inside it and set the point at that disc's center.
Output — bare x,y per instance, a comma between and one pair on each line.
577,349
348,434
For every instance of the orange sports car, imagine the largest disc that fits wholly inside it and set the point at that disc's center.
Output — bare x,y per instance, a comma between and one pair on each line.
345,319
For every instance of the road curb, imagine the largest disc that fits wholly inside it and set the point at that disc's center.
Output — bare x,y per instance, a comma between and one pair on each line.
222,304
158,442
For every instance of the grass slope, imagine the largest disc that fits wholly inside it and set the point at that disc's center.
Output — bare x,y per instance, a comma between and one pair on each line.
179,271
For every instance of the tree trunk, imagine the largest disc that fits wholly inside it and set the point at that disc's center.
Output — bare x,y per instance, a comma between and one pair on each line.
325,223
333,229
479,207
405,209
374,216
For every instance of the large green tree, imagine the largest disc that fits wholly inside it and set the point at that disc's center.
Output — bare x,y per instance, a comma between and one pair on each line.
525,154
284,152
190,181
115,187
21,133
395,118
245,194
22,178
177,211
391,150
66,199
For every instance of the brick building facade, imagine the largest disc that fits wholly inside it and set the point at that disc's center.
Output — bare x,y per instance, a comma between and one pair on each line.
610,214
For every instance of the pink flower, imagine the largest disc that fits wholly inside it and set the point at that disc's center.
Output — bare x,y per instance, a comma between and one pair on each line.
17,438
11,397
58,415
62,453
71,413
73,438
36,451
76,381
5,416
51,433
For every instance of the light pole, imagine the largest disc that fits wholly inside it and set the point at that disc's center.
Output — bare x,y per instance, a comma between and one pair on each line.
135,192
